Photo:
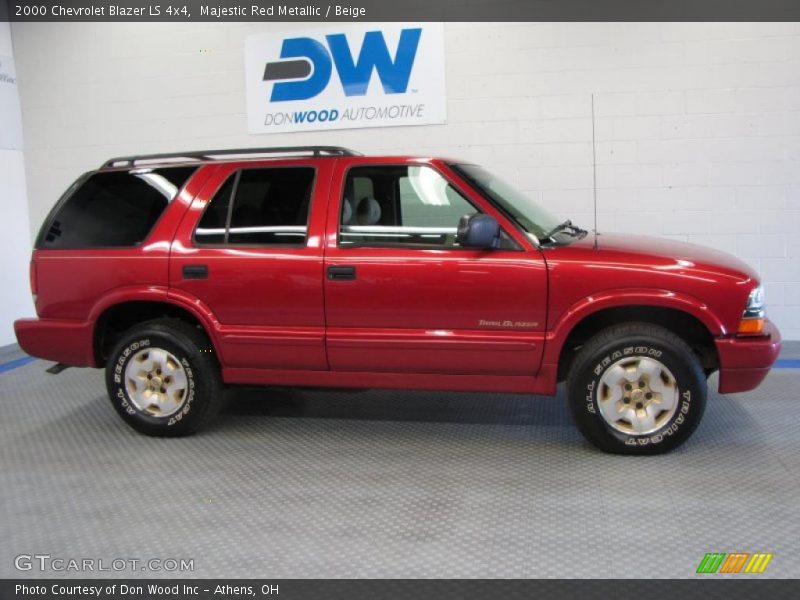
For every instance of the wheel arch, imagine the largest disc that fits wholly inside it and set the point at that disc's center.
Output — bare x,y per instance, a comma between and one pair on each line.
114,318
685,316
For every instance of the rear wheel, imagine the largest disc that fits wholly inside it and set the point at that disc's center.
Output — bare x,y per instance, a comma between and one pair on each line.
636,388
163,380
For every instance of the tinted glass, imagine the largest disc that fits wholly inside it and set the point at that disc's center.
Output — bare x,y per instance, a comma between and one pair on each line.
211,229
270,206
114,209
409,205
532,217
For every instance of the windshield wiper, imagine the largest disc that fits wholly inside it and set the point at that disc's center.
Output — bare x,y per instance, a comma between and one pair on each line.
568,227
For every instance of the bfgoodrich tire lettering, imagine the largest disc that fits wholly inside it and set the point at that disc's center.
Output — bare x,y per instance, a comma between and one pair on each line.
180,389
655,361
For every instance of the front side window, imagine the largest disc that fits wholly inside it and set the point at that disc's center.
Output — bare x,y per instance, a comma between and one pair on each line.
400,205
113,209
528,214
259,207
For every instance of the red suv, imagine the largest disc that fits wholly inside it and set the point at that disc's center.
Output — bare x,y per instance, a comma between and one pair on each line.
316,266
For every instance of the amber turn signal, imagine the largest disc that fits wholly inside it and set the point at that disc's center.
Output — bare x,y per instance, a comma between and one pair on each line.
751,326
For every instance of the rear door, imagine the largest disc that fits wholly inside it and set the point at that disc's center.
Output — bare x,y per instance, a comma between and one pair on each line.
401,296
249,253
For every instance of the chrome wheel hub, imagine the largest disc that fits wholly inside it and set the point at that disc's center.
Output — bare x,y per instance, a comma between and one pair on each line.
637,395
156,382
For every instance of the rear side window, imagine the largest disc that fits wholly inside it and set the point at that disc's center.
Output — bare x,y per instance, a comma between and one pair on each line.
113,209
259,207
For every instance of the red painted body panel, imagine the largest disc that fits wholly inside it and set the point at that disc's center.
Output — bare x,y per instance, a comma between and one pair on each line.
512,384
711,285
59,340
267,301
747,360
411,319
72,282
420,311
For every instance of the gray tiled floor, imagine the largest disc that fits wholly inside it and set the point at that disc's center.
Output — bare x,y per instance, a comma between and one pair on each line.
392,484
790,349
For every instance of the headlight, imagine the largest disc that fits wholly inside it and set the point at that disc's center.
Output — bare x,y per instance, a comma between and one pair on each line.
752,322
755,304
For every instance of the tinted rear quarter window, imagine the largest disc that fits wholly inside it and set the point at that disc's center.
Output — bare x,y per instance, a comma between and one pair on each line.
113,209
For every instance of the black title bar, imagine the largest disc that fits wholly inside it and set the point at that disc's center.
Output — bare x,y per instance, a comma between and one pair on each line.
407,10
703,587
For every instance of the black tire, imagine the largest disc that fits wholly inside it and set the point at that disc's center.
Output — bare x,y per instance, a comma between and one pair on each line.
632,341
201,397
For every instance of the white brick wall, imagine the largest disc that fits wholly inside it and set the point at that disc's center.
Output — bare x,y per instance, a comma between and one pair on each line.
15,301
698,125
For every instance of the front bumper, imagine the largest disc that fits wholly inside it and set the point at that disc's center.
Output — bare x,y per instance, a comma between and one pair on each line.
744,362
59,340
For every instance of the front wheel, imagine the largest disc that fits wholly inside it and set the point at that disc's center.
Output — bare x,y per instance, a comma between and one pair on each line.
162,378
636,389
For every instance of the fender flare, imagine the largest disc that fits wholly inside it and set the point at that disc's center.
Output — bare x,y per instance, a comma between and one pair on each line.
161,295
616,298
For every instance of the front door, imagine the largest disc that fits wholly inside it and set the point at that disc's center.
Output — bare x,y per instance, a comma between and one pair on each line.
401,296
249,254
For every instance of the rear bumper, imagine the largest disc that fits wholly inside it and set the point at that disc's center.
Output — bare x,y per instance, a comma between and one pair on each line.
745,361
64,341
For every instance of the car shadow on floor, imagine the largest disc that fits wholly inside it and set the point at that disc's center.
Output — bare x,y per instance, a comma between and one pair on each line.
727,418
397,405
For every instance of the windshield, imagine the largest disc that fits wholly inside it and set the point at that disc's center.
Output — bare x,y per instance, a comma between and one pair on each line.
527,213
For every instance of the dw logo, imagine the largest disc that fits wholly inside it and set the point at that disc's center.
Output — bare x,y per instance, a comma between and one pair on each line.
310,64
344,77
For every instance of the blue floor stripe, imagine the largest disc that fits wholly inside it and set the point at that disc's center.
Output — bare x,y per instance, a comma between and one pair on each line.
16,363
787,363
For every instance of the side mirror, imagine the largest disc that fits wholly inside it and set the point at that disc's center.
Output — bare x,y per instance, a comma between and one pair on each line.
478,231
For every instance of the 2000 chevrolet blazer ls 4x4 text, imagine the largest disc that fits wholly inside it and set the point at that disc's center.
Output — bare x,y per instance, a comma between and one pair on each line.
317,266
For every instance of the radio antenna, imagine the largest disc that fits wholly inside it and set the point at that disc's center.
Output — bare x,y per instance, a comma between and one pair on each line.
594,176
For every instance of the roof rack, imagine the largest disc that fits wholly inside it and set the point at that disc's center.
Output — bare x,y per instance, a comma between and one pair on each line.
129,161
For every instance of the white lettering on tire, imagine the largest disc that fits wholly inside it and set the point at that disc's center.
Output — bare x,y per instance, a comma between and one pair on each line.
122,394
657,437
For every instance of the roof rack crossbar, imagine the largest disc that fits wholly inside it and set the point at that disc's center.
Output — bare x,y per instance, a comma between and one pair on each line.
129,161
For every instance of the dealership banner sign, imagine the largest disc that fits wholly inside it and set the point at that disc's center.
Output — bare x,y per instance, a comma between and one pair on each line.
345,77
